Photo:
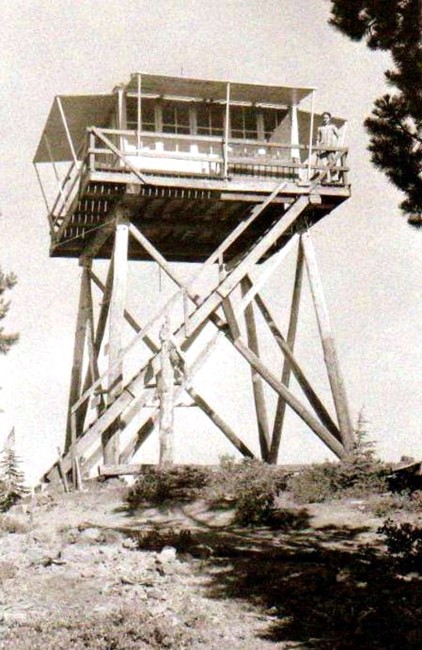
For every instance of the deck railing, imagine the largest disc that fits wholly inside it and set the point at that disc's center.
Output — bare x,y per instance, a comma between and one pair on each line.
194,155
148,154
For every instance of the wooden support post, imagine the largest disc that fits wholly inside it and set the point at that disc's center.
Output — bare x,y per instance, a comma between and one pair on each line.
325,436
111,443
300,376
226,133
285,377
165,391
78,349
257,385
328,345
62,471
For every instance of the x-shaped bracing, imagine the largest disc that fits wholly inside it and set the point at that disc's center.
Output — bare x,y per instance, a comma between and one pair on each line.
131,398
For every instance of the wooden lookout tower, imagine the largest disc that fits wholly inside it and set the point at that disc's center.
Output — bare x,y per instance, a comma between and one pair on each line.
225,176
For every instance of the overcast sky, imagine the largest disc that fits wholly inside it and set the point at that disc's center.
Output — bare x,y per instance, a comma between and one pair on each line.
370,259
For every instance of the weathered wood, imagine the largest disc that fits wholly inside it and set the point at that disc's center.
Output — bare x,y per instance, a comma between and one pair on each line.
323,434
219,422
78,349
120,470
111,442
257,385
96,346
155,254
226,132
61,471
299,374
327,340
209,305
199,316
165,392
78,476
124,160
268,271
291,337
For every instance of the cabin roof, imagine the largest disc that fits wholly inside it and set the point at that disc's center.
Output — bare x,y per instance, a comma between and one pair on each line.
82,111
216,89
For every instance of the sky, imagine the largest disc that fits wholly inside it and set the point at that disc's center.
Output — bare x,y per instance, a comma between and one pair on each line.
370,259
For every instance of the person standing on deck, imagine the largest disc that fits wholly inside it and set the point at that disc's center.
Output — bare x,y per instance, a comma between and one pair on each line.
327,136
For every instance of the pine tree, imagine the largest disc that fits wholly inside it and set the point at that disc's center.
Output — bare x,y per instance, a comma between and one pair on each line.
395,124
7,282
12,479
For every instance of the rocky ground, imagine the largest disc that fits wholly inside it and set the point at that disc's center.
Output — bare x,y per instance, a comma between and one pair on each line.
80,570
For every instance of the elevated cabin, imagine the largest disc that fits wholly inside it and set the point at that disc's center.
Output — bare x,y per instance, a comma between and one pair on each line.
188,158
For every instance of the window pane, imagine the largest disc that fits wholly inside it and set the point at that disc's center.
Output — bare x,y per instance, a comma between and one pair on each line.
182,111
272,119
132,112
210,119
169,113
148,114
249,116
236,121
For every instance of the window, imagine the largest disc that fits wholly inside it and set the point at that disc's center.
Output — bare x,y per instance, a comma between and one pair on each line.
210,119
272,119
243,122
147,113
176,118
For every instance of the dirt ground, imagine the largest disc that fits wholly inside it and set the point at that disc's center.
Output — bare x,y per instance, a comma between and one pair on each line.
318,579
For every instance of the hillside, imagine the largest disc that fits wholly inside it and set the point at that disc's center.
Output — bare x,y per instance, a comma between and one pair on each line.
82,570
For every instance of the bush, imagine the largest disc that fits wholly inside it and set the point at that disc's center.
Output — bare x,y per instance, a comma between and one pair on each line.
127,629
356,476
159,484
385,504
404,544
251,486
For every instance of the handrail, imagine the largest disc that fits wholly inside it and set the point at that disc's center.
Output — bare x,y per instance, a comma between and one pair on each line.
161,135
81,152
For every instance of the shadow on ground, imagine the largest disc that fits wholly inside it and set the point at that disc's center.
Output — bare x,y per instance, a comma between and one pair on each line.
317,587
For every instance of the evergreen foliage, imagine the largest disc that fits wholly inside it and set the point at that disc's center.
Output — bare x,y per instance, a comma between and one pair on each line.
395,125
12,479
7,282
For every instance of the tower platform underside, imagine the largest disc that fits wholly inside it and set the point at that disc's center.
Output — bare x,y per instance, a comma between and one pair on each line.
186,218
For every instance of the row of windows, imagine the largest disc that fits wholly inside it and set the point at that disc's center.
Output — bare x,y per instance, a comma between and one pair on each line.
246,122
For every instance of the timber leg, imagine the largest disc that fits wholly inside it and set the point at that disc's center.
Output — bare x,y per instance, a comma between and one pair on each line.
111,442
335,377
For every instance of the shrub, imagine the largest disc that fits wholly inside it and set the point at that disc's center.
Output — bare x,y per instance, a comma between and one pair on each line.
159,484
353,477
251,486
385,504
127,629
360,474
404,544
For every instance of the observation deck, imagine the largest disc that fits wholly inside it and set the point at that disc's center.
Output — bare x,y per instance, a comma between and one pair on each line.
188,160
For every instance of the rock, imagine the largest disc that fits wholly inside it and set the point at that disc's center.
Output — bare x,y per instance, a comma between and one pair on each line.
130,543
90,536
111,536
168,554
7,570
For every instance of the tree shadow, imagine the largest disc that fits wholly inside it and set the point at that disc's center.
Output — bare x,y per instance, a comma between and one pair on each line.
317,587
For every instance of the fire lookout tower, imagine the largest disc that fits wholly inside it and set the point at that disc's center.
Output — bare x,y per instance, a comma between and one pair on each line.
222,174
